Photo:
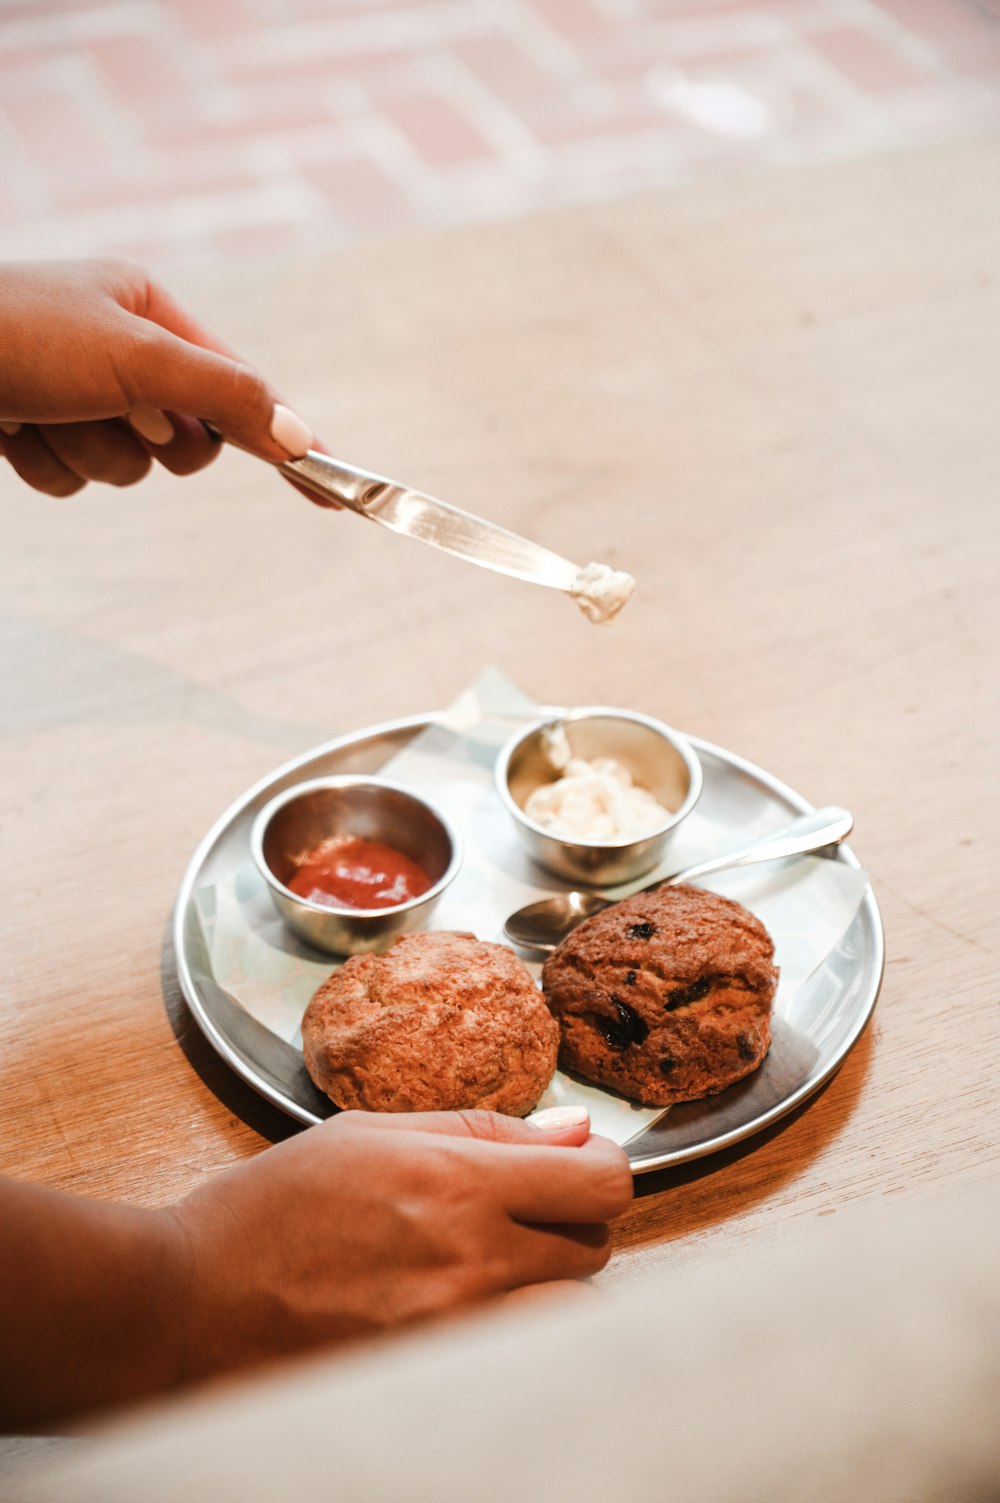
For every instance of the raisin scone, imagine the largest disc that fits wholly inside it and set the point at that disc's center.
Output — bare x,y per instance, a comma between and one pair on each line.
441,1021
665,996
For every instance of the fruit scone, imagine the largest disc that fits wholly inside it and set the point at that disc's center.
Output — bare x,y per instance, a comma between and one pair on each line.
665,996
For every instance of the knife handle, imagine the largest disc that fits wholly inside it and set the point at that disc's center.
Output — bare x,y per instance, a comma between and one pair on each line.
334,480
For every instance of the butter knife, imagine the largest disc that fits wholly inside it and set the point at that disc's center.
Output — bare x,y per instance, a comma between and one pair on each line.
414,514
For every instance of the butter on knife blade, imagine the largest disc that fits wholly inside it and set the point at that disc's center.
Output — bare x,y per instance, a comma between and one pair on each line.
599,591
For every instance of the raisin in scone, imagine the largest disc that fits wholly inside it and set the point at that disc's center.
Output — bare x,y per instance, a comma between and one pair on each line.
665,996
439,1022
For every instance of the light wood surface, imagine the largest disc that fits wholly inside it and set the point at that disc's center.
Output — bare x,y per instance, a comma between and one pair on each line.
777,402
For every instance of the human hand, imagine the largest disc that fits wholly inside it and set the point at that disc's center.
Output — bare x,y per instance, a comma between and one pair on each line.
371,1221
102,372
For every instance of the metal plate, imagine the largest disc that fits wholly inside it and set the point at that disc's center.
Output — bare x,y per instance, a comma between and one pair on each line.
811,1037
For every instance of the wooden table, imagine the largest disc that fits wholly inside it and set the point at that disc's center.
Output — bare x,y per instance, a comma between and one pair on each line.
774,400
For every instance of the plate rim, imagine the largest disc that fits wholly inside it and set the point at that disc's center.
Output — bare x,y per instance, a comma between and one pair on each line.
640,1163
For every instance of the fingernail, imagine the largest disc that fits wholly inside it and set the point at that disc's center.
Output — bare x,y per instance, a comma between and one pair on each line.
288,430
152,424
10,429
560,1116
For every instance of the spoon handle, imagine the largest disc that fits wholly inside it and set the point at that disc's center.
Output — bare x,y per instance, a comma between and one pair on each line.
811,832
543,925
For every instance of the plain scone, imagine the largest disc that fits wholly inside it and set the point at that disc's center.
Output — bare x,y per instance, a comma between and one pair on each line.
440,1022
665,996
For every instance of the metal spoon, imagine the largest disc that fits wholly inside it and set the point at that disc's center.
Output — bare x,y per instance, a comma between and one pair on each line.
543,925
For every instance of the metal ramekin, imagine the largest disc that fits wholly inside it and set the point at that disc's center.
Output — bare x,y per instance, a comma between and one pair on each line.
298,819
658,758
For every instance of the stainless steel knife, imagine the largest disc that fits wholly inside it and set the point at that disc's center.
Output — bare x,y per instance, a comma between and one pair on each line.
420,516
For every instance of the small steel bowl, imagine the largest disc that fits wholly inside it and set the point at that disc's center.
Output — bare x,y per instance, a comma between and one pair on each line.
659,760
297,820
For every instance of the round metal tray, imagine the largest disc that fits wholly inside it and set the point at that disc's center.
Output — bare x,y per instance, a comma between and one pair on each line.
811,1036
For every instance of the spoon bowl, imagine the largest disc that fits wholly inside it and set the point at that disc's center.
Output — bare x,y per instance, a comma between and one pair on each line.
543,925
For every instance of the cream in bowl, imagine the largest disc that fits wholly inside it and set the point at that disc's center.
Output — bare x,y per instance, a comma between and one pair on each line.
596,793
597,800
353,861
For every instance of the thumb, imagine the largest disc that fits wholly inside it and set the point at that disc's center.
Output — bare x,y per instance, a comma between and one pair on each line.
162,370
557,1126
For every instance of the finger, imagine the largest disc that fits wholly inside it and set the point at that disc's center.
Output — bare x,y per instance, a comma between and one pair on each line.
162,309
539,1255
534,1180
594,1184
181,444
161,370
569,1128
36,464
97,451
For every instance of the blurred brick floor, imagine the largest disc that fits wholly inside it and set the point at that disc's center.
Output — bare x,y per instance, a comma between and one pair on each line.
189,130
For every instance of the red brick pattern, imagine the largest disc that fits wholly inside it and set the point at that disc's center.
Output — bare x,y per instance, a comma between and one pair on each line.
188,130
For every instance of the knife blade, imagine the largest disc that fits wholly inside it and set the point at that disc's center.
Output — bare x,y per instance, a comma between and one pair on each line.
417,515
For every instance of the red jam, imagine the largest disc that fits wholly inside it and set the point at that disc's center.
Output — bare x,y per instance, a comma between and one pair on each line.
348,872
